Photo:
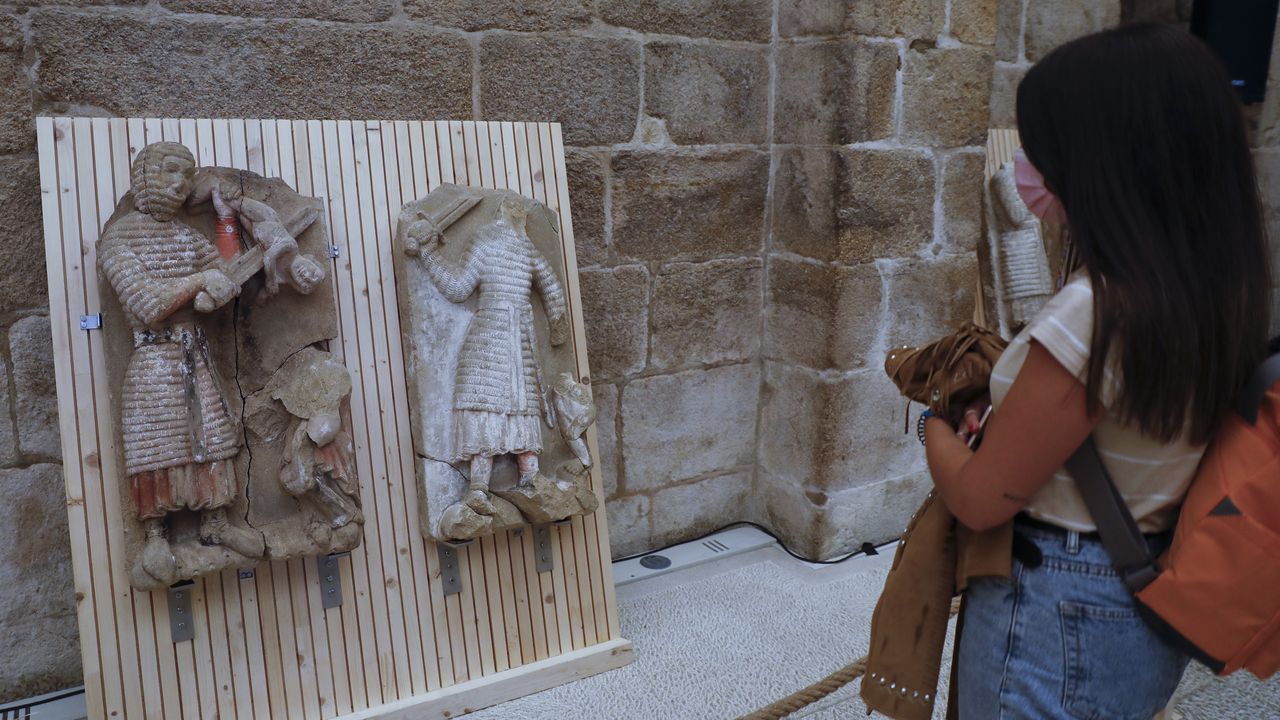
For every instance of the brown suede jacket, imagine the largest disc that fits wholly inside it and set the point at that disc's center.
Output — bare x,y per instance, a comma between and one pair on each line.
934,561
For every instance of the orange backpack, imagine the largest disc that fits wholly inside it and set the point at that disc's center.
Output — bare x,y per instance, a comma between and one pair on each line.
1216,594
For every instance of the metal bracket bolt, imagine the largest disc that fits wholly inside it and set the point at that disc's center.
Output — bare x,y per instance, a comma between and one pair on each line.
543,559
182,625
450,574
330,579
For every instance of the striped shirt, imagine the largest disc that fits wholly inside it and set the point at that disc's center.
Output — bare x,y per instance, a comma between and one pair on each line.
1151,475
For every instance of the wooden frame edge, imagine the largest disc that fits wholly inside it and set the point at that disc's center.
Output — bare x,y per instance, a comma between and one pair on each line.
490,690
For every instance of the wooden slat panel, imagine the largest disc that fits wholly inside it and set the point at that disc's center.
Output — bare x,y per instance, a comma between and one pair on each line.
60,315
378,265
400,145
597,545
264,647
363,670
375,636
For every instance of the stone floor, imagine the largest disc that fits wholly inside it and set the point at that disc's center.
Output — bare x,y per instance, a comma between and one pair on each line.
719,640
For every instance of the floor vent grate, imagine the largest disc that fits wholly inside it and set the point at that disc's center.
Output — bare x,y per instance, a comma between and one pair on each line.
62,705
733,541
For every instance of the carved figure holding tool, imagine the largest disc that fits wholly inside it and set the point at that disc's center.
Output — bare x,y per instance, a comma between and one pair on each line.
179,437
500,399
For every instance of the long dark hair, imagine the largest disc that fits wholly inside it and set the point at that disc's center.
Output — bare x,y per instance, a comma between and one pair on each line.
1139,133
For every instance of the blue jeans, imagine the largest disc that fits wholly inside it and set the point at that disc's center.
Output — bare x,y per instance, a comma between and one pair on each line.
1061,640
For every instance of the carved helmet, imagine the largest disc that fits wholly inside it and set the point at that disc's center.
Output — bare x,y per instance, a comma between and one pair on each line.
150,195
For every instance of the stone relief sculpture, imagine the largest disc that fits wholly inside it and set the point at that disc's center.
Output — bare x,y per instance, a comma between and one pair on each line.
486,324
180,268
1023,281
318,464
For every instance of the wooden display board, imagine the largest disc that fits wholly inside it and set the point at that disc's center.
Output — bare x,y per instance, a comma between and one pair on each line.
264,647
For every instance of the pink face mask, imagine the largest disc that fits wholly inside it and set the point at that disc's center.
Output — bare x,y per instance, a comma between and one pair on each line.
1039,199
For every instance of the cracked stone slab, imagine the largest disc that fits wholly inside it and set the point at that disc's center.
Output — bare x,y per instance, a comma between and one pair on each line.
452,221
257,348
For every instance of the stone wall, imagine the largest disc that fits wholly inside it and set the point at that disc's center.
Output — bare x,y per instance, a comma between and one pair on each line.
875,215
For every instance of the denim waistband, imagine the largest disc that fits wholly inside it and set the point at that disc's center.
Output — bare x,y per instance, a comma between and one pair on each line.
1052,541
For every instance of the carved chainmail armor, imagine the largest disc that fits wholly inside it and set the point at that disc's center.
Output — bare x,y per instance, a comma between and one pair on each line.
173,412
497,368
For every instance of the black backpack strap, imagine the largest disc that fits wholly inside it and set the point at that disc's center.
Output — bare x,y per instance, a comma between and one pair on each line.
1120,534
1255,391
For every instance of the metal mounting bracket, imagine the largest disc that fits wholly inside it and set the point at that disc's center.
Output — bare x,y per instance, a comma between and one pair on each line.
330,579
245,573
182,625
450,574
333,250
91,322
543,559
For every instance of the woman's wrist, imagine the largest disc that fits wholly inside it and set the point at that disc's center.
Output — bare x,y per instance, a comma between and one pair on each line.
920,424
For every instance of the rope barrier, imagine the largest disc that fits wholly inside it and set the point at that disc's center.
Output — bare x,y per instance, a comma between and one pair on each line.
824,687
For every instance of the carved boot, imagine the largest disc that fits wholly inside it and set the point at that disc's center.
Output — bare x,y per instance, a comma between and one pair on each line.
477,498
157,559
527,477
215,530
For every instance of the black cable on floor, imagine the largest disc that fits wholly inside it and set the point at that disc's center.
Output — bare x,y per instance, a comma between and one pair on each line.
866,549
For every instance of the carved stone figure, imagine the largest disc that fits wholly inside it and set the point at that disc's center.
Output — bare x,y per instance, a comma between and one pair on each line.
499,398
317,463
492,256
574,414
1023,282
183,327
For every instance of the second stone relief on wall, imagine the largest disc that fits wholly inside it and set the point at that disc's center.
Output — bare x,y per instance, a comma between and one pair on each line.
217,310
497,410
1019,278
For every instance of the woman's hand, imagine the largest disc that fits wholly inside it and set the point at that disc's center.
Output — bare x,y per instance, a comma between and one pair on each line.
971,419
1041,422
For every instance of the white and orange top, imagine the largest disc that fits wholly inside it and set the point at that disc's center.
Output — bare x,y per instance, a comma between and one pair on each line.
1151,475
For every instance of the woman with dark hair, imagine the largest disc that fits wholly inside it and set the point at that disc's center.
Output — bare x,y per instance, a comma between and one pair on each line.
1135,137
